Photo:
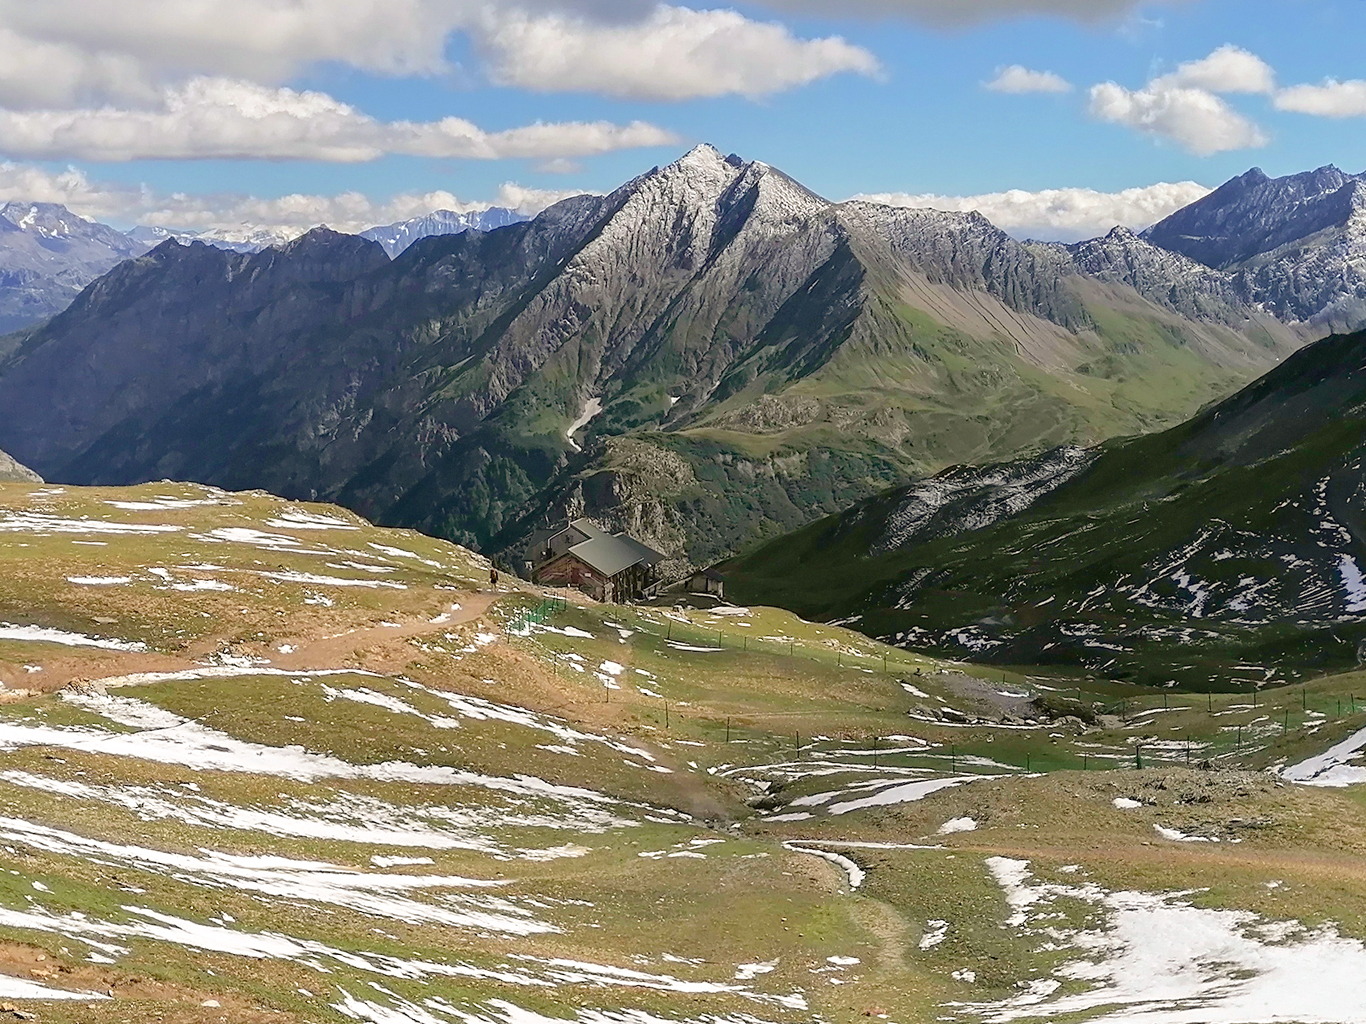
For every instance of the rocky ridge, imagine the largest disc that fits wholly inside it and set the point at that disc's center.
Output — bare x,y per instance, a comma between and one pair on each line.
1294,246
794,354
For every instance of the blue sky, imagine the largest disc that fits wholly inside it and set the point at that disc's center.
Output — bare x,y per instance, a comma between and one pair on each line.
212,119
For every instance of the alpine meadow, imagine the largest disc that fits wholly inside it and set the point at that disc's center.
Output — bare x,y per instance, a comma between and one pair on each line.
480,544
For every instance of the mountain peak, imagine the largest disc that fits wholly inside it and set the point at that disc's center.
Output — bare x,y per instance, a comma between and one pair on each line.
45,218
702,155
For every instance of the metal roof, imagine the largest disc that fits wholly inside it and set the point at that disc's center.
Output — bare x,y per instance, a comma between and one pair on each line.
607,554
589,528
648,555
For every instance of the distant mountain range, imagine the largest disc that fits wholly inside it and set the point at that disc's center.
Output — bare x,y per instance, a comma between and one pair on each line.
48,254
1228,552
397,237
760,356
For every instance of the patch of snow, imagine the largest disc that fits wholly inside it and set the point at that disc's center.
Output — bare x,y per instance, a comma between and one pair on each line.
856,874
1331,768
298,519
1160,960
1353,582
956,825
1181,837
1124,803
41,634
935,933
748,972
291,576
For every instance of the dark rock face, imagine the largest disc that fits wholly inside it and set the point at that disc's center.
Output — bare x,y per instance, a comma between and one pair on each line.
692,306
47,255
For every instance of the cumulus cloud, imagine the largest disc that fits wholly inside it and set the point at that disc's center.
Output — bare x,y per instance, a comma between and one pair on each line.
1061,214
73,52
957,12
1226,70
676,53
1019,79
1195,119
1331,99
124,205
261,40
224,118
1184,106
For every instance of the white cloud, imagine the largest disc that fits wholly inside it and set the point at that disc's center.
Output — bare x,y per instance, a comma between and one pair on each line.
1227,69
1019,79
970,11
1184,107
1331,99
675,53
1195,119
262,40
125,205
1061,214
66,53
223,118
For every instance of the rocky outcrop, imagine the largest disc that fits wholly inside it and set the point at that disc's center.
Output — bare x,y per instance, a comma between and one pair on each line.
13,472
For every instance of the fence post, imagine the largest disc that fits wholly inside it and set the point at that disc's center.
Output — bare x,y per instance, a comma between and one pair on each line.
727,730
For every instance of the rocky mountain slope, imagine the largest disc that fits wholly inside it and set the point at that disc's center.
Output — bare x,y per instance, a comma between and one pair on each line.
1228,549
13,472
397,237
1295,246
47,255
739,354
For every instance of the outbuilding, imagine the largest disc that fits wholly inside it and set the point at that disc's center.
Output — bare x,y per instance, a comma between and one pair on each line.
707,581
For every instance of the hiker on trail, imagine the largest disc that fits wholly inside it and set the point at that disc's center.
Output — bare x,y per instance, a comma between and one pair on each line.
493,576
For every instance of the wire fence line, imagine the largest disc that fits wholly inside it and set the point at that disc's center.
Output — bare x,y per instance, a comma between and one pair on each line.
1277,720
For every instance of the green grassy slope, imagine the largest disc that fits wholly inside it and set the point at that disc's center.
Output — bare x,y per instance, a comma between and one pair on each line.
1222,550
262,761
